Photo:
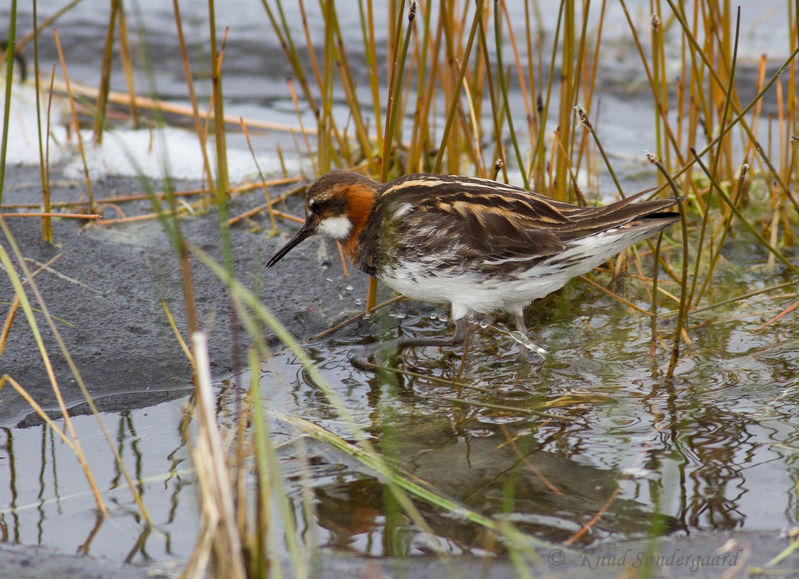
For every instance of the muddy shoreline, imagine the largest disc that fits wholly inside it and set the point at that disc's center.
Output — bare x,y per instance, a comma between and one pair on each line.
106,289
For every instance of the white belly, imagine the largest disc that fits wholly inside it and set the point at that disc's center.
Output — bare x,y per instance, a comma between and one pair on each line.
469,291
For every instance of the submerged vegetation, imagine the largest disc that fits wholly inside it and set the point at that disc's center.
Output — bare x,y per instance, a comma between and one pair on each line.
462,88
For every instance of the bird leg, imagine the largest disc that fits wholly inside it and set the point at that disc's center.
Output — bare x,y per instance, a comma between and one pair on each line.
463,356
518,317
525,344
455,339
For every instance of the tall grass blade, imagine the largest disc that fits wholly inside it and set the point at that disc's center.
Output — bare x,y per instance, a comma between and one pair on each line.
682,317
198,126
752,229
220,546
47,222
719,152
222,180
72,367
105,72
504,90
12,34
75,124
28,310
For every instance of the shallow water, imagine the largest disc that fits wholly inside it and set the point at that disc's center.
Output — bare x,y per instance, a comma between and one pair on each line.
593,429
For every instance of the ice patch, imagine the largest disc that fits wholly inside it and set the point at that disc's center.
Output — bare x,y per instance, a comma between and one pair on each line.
169,151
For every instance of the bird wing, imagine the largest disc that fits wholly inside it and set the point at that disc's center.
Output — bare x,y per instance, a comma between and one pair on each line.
469,218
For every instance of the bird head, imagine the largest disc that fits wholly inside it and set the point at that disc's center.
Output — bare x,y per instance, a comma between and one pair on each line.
337,205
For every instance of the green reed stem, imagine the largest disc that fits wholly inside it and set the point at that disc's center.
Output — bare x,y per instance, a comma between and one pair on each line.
535,126
105,73
456,93
326,126
657,69
583,116
270,485
653,320
752,229
259,562
418,136
12,34
679,16
72,366
714,255
492,92
222,181
395,88
504,89
368,31
683,314
47,223
195,109
653,84
324,122
75,124
717,156
576,86
349,86
47,132
568,88
291,52
127,66
539,153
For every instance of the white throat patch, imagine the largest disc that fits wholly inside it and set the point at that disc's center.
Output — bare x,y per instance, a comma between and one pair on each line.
336,227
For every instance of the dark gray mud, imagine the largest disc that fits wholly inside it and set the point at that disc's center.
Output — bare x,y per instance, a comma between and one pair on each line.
106,288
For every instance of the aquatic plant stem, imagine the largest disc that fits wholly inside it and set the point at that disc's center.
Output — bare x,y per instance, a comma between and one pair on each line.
716,158
47,223
504,89
394,87
222,181
456,92
726,224
127,66
683,315
392,108
76,126
19,291
739,119
12,33
654,317
105,73
752,229
198,127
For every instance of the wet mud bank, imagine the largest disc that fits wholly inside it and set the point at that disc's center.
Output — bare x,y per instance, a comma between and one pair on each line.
104,287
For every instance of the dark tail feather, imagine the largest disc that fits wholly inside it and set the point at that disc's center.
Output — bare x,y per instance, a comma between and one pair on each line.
621,214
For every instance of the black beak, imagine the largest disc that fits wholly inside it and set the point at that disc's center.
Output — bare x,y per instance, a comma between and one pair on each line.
304,232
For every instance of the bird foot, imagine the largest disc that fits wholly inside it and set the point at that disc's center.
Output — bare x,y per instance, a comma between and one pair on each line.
364,361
